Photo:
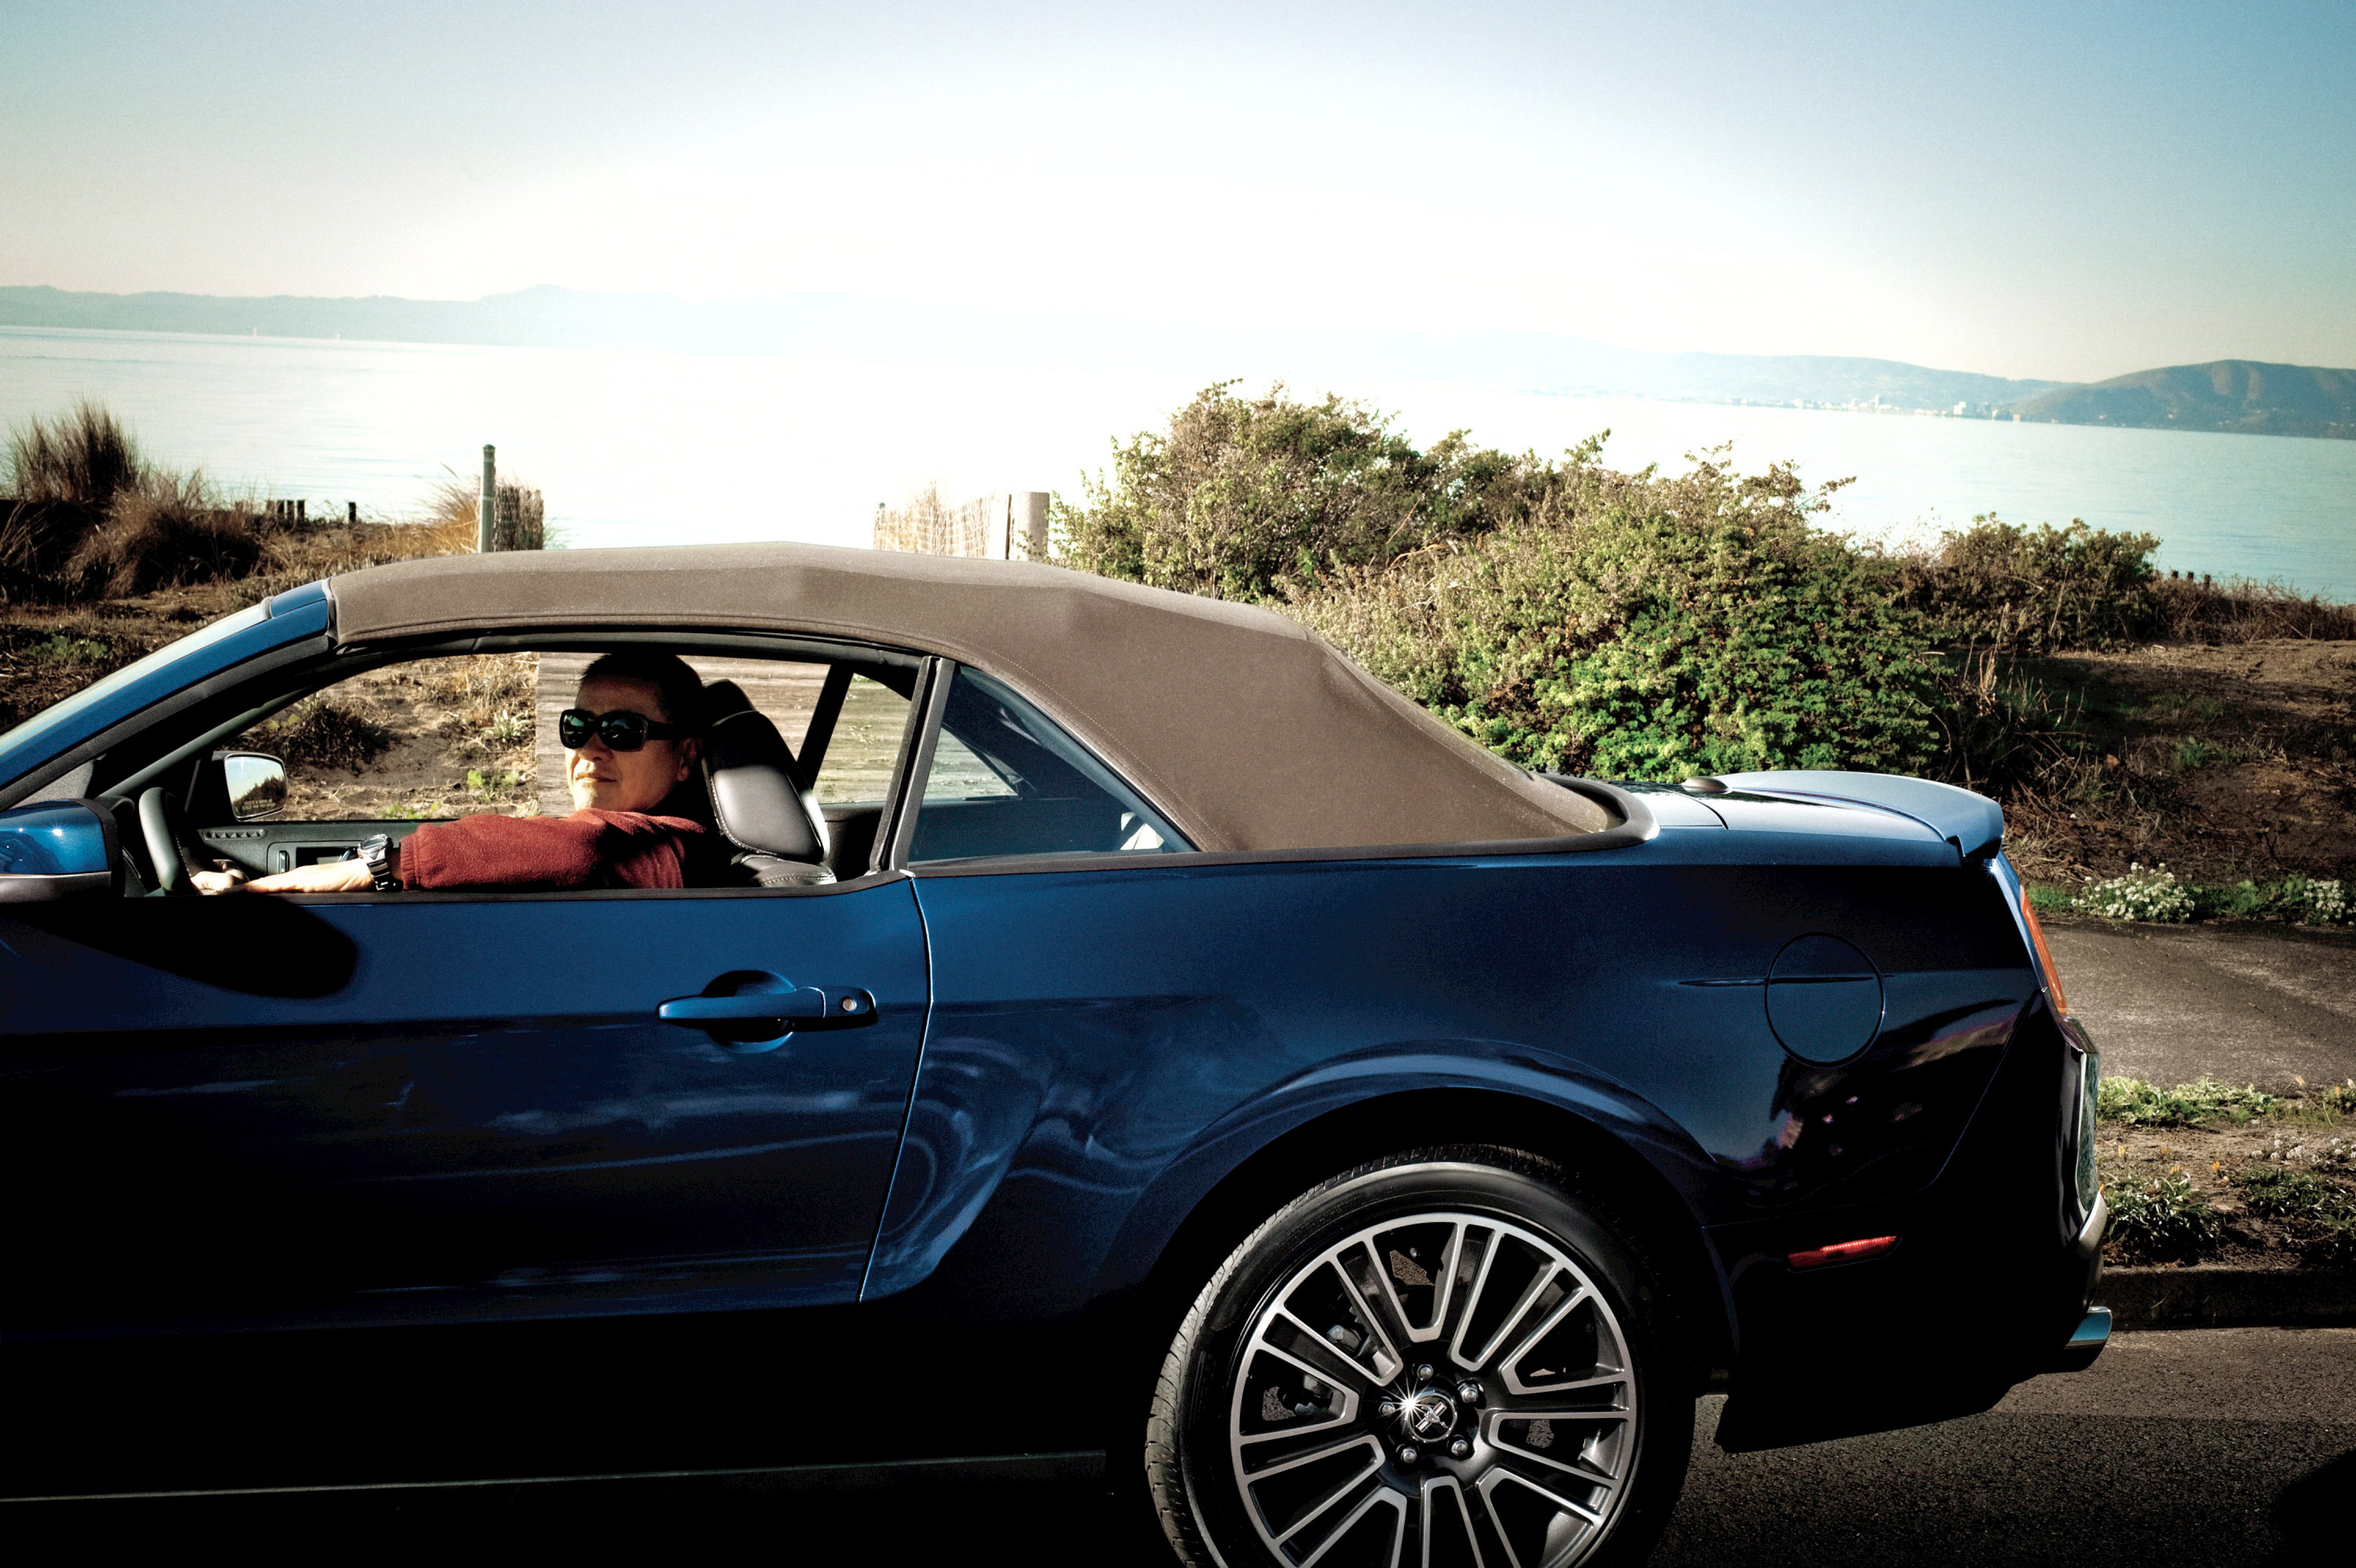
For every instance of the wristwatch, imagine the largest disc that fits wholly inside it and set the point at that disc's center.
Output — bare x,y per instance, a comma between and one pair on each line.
376,853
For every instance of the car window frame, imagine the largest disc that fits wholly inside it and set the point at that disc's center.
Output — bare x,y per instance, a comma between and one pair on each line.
944,675
288,680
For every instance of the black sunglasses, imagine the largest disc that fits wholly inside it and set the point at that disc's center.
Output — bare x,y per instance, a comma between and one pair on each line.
621,730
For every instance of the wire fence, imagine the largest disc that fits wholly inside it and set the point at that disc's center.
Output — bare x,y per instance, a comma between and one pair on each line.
1008,526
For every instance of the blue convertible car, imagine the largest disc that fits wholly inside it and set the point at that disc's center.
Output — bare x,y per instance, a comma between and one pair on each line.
1168,1044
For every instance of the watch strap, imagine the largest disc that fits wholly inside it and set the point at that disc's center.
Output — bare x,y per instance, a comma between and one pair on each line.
376,853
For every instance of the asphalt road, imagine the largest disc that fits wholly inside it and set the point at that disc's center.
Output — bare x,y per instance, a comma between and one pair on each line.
2216,1447
2252,1004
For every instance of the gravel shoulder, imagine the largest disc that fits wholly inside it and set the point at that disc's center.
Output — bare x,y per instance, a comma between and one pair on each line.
2253,1004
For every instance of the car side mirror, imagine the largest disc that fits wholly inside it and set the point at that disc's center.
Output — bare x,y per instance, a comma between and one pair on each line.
256,785
55,849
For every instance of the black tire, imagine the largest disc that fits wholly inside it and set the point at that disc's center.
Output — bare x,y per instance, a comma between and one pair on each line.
1230,1478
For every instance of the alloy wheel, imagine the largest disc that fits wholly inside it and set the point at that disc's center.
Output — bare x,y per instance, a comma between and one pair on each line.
1438,1388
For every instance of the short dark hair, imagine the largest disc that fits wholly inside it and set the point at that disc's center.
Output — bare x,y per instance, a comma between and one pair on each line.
681,689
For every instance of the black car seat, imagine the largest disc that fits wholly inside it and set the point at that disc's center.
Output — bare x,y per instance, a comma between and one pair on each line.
771,833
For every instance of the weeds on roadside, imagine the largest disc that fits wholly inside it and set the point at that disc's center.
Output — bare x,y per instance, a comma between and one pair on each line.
2283,1193
2047,899
2156,895
502,781
2161,1218
2131,1102
61,647
2322,1210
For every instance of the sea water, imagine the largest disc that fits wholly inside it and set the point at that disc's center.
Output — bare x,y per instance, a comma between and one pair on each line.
646,448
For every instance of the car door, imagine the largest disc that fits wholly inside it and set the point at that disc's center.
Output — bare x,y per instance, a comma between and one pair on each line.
346,1108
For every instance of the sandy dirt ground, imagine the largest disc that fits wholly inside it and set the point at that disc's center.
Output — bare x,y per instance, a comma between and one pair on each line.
2223,763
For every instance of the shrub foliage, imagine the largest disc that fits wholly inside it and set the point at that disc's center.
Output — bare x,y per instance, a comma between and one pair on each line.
1564,614
1645,627
1243,494
1649,625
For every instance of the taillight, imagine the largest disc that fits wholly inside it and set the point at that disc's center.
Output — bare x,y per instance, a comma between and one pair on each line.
2044,954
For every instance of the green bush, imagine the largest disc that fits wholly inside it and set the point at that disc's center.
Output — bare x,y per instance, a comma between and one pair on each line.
1243,494
1644,626
2161,1218
2030,590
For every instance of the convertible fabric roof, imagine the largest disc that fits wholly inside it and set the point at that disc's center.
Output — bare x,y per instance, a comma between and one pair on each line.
1248,729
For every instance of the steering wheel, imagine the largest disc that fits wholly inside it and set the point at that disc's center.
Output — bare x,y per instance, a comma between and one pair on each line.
165,827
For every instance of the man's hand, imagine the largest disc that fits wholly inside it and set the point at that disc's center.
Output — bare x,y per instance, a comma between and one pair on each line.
326,876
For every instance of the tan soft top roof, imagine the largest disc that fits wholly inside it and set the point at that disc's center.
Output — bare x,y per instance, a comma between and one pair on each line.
1248,729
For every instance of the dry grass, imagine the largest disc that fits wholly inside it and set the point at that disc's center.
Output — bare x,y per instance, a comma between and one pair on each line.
454,508
165,531
91,521
80,459
2189,610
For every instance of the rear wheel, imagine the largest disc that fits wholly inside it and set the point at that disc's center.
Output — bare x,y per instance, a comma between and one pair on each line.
1450,1356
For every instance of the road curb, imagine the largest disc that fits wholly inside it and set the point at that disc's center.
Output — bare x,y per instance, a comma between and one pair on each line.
2208,1296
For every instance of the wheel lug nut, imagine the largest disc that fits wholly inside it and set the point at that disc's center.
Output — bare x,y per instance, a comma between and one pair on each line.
1407,1453
1388,1406
1461,1448
1469,1391
1423,1374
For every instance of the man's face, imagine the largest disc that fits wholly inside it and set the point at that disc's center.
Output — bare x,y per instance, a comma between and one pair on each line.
609,780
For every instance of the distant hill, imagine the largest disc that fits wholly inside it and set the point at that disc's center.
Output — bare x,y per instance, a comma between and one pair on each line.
848,326
2239,395
2244,395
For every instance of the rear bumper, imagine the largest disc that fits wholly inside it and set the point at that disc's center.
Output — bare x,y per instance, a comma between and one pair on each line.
2094,1331
1989,1284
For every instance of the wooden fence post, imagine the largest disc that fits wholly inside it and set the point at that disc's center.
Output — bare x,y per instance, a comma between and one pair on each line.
487,510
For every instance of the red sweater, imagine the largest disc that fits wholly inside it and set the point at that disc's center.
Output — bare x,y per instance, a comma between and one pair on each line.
590,849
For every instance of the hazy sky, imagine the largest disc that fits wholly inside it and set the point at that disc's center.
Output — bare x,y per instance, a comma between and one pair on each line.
2053,189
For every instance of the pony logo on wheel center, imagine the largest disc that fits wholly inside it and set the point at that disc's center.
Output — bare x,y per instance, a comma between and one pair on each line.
1430,1416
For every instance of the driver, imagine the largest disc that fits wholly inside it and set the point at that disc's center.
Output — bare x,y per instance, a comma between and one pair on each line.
628,743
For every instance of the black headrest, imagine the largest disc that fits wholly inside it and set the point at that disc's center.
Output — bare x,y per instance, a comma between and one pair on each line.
757,799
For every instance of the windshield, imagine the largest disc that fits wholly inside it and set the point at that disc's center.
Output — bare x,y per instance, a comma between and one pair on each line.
25,740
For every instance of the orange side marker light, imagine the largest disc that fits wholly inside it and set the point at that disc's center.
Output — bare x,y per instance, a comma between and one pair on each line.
1843,1252
2044,954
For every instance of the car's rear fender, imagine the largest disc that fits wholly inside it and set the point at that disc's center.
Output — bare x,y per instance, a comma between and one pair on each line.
1608,1141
